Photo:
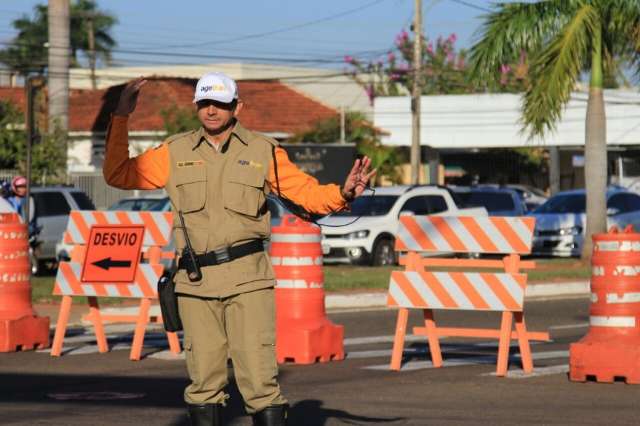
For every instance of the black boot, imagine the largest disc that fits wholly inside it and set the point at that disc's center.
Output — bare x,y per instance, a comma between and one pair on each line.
275,415
205,414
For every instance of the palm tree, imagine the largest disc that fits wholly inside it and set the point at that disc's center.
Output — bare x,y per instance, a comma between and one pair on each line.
28,52
563,39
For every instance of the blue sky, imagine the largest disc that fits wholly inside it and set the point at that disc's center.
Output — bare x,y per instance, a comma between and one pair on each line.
215,31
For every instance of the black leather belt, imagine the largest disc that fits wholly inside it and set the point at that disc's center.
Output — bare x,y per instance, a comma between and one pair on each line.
226,254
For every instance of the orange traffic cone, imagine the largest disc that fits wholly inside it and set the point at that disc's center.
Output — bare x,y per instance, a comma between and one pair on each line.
611,349
304,334
20,328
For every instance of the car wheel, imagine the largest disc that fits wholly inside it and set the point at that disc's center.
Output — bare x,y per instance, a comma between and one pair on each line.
37,266
384,253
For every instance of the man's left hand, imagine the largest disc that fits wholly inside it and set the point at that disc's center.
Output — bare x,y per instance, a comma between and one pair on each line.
358,179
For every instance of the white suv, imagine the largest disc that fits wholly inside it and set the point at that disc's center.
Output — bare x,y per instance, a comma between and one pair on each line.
365,234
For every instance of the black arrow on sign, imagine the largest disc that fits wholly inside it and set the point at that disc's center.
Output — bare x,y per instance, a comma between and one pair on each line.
107,263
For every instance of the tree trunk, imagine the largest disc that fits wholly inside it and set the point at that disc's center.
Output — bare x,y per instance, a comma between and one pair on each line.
59,50
595,153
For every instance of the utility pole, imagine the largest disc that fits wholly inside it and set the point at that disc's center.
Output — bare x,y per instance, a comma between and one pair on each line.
92,49
34,83
416,94
59,52
343,137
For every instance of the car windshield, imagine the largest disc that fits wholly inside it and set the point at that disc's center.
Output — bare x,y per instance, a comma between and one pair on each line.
567,203
137,204
492,201
370,205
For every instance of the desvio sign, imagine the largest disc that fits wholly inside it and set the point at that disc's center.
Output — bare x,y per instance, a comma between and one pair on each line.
113,253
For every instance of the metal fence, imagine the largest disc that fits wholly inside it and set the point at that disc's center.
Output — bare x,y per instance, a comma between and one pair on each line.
103,195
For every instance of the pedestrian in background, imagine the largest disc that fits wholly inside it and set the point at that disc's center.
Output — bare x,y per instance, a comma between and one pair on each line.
218,177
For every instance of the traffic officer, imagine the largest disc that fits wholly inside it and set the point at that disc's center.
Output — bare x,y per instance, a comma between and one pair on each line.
218,177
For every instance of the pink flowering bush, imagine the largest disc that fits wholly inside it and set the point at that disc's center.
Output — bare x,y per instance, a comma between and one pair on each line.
444,70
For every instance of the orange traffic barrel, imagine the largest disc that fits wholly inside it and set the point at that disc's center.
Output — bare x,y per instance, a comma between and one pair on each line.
304,334
611,349
20,328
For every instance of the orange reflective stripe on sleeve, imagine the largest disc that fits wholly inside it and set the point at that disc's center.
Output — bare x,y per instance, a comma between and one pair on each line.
303,189
150,170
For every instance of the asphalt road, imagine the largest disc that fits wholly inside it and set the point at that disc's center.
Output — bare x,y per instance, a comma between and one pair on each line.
84,387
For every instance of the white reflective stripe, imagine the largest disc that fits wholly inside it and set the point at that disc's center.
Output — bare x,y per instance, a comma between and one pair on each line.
163,224
151,275
495,235
463,234
111,216
453,290
594,298
513,288
276,260
297,261
432,232
524,233
112,290
135,291
423,290
88,290
62,282
485,291
76,268
296,238
398,295
618,245
73,230
626,298
597,271
627,270
405,236
601,321
294,284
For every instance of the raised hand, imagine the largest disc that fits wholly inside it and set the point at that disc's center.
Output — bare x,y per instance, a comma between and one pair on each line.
129,97
358,179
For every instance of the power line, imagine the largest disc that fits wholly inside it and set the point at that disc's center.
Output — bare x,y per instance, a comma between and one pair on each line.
286,29
471,5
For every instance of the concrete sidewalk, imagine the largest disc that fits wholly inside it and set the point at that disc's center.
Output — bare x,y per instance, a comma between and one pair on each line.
334,301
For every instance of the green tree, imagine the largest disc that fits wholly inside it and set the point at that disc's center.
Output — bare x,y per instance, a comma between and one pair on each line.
563,38
48,153
28,50
360,132
178,120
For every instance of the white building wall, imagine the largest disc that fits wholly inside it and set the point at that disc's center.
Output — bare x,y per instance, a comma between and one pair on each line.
493,120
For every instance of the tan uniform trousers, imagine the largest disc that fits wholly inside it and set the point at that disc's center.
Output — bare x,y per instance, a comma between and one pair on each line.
241,327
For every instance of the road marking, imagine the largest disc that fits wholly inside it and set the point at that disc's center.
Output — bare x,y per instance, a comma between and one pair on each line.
94,396
353,341
537,372
470,360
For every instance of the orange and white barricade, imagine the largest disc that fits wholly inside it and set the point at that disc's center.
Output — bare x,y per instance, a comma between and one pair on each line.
115,254
427,284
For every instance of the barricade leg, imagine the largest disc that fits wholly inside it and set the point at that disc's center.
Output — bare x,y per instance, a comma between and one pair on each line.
174,342
398,341
141,325
98,327
523,341
503,345
432,336
61,325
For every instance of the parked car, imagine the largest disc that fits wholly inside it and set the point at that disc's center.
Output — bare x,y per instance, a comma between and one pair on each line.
52,205
561,221
365,234
499,201
532,197
154,203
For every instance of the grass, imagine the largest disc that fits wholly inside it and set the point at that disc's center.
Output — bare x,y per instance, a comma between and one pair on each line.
357,278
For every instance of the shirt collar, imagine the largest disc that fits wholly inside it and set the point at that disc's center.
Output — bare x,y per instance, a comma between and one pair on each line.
240,132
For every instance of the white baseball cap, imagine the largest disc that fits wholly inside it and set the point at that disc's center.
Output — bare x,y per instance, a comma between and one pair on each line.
216,86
